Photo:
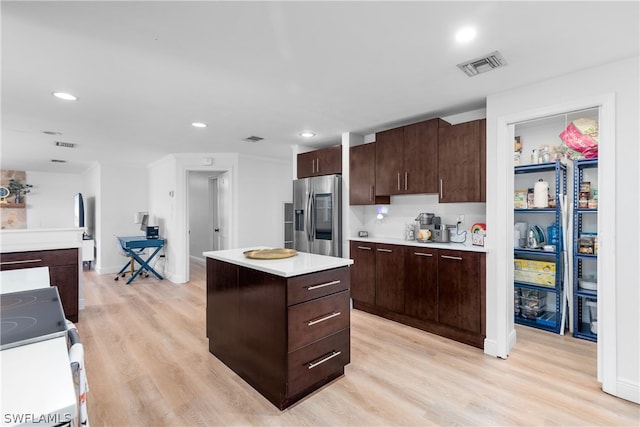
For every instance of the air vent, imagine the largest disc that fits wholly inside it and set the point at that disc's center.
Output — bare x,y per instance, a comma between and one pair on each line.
483,64
58,161
51,132
253,139
64,144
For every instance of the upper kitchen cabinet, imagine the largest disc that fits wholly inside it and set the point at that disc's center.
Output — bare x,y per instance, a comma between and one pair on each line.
462,163
325,161
362,173
407,159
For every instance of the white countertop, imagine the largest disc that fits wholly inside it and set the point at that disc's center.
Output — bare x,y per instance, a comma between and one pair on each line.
38,239
302,263
37,382
467,246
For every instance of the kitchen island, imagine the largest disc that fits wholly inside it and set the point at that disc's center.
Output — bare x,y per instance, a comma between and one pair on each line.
281,324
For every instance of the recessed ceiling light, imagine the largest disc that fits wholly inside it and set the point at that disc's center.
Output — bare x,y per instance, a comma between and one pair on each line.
65,96
199,125
307,134
466,34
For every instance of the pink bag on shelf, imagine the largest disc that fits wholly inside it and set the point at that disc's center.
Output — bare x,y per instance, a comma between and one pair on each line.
581,143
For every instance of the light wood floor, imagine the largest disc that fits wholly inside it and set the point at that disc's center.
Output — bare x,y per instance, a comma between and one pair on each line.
148,364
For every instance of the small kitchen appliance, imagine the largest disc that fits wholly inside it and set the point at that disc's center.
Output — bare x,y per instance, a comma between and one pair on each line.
535,238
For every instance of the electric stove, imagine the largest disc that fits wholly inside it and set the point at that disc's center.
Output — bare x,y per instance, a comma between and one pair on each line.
30,316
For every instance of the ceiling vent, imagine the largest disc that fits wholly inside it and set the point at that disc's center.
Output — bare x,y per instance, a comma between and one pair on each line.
254,139
64,144
483,64
58,161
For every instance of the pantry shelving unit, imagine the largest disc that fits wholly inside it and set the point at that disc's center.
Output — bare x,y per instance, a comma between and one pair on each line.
536,304
585,295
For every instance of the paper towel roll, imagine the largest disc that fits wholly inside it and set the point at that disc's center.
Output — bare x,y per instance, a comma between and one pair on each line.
541,194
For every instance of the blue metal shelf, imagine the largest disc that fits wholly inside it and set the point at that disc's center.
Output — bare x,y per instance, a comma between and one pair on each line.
560,171
581,326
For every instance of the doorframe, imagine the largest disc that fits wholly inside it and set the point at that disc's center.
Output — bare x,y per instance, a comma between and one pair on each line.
503,242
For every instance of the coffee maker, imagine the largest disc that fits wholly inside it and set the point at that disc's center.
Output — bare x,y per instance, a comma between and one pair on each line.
437,232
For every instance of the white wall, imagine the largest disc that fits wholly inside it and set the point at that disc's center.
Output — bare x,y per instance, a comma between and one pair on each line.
258,189
264,185
123,191
50,202
619,78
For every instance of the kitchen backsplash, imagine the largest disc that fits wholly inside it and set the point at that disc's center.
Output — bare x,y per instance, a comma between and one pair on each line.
404,210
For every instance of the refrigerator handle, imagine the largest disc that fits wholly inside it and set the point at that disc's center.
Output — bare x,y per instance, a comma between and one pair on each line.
309,219
312,224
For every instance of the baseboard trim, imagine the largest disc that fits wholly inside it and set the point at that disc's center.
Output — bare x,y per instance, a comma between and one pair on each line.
626,390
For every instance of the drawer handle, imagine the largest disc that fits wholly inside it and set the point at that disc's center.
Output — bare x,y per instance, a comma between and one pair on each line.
457,258
384,250
322,319
364,247
20,262
422,254
330,356
335,282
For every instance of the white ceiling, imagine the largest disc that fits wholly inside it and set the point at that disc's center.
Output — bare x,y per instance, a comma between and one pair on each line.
144,71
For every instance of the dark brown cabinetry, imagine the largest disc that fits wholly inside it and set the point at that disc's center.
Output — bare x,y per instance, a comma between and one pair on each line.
438,290
459,295
363,272
362,173
325,161
462,163
63,272
407,158
285,336
421,283
390,277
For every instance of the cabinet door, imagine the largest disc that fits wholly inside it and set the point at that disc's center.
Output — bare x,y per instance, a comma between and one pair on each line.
459,162
306,164
390,277
363,272
389,161
420,158
65,277
459,291
421,283
362,173
329,160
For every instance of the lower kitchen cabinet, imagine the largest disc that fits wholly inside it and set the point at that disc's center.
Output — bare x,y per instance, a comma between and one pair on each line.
421,285
285,336
390,277
459,290
363,272
63,272
437,290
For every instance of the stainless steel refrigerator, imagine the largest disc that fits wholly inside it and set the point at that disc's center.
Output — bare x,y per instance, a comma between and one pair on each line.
317,215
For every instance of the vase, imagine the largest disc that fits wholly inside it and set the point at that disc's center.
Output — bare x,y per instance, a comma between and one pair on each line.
19,198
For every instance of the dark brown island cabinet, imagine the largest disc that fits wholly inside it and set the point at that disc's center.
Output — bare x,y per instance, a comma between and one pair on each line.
63,272
441,291
286,336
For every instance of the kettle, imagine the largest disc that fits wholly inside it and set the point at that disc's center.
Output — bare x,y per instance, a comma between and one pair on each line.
535,238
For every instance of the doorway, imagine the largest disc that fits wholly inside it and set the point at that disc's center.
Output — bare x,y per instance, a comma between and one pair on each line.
505,338
206,228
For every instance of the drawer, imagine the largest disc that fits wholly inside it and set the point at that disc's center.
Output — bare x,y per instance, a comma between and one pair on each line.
313,320
316,285
15,260
317,361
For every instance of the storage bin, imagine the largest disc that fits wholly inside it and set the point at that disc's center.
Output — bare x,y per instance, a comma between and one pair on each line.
541,273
